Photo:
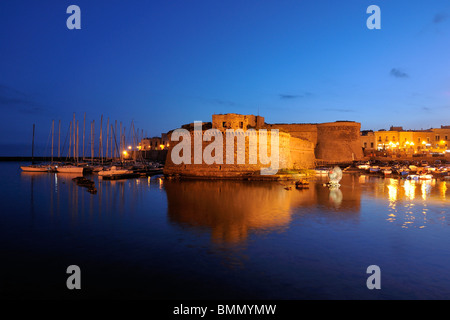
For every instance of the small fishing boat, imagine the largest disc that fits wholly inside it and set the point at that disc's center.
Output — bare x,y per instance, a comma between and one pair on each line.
322,171
302,184
364,166
114,171
404,173
374,169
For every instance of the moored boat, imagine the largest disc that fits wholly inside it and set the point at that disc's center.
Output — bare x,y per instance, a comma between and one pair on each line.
69,169
374,169
302,184
35,168
322,171
114,171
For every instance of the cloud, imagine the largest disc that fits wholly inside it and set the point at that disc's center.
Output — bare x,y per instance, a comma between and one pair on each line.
439,17
13,99
338,110
397,73
223,102
294,96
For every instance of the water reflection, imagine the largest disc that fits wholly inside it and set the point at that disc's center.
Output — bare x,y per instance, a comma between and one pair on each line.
231,209
160,236
410,201
61,196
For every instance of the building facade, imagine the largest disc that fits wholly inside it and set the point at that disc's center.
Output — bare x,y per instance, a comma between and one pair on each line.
397,140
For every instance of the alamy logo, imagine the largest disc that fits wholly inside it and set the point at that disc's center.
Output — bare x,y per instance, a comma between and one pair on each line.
374,281
374,21
74,20
235,140
73,281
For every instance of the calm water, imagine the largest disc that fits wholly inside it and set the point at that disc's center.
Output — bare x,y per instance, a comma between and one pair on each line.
158,239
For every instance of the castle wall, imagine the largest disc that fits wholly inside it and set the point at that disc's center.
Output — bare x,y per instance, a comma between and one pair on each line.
298,130
334,142
236,121
300,145
339,141
293,153
302,154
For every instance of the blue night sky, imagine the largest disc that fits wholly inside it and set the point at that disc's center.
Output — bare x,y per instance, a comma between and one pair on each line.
166,63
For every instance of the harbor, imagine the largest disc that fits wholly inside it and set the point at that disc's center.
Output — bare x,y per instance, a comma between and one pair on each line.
224,158
158,236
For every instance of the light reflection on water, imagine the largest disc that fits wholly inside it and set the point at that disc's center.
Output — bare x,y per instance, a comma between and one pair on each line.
409,200
231,239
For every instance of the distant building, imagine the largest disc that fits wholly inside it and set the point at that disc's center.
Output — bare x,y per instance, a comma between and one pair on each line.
398,140
155,143
368,140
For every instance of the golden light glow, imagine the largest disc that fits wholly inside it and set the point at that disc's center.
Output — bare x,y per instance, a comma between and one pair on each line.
443,189
161,146
125,153
393,190
129,147
410,189
426,187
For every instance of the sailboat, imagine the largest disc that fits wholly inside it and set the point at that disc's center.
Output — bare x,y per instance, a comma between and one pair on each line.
34,167
69,168
114,171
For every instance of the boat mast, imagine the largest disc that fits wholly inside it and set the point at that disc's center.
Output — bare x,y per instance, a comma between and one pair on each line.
124,142
84,129
32,147
100,147
107,138
115,138
59,140
120,141
73,132
111,139
53,129
78,141
70,139
92,141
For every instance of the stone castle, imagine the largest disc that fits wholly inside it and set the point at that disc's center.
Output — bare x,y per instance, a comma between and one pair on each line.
301,146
